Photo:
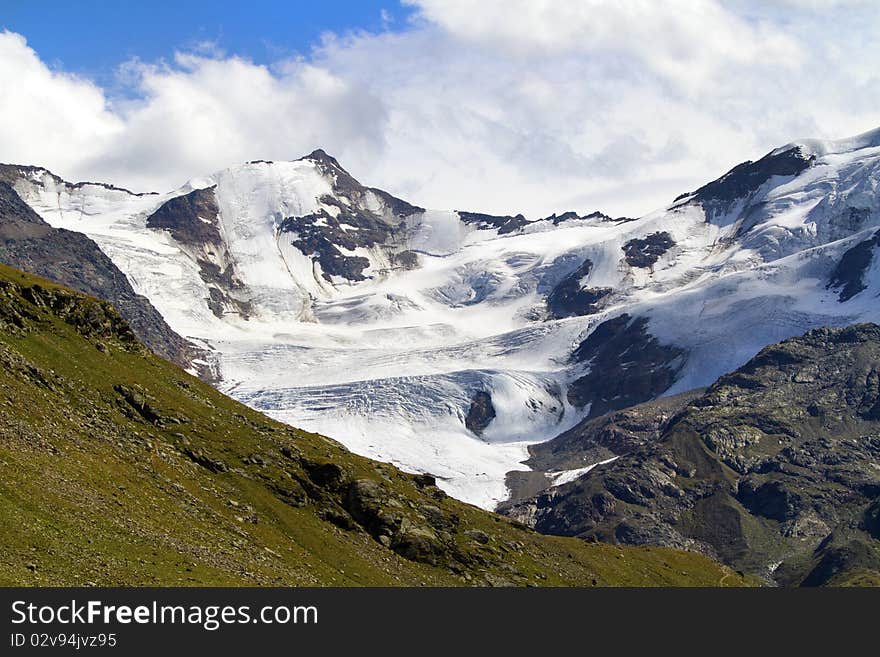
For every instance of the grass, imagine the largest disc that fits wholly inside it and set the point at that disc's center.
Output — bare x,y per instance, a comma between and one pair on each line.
118,468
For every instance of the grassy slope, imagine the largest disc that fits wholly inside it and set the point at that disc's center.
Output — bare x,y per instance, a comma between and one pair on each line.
117,468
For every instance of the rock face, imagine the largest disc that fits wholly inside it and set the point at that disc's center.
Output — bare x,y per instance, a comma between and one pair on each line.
746,178
774,469
481,412
614,434
571,297
594,440
193,220
627,366
349,220
644,252
30,244
149,476
352,218
505,224
310,220
848,275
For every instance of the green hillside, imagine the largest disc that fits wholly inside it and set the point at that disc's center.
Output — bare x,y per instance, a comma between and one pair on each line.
117,468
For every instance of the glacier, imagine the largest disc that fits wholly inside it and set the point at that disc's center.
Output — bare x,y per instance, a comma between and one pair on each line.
339,309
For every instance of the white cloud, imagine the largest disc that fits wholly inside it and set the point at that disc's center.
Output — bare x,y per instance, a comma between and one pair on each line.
48,114
513,105
201,114
679,38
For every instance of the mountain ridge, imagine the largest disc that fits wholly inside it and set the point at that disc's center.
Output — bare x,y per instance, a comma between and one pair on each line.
318,296
70,258
119,468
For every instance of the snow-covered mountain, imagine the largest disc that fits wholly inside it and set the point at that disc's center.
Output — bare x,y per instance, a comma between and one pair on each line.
446,341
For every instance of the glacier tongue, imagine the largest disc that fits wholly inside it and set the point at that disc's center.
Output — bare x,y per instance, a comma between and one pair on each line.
425,338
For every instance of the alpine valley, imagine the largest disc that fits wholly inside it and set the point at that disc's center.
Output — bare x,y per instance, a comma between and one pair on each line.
611,378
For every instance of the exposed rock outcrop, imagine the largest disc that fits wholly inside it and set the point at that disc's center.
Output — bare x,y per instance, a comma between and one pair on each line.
481,412
645,252
572,297
776,463
848,275
627,366
193,220
72,259
746,178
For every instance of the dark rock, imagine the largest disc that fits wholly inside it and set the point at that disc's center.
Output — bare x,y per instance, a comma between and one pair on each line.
570,298
321,235
293,493
424,480
193,220
481,412
406,259
613,434
477,535
871,519
644,252
572,216
506,224
848,275
419,544
365,501
30,244
199,457
627,366
503,223
770,499
345,185
425,536
135,398
325,474
745,472
746,178
338,517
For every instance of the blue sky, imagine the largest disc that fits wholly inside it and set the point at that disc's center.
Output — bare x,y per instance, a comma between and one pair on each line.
500,106
92,37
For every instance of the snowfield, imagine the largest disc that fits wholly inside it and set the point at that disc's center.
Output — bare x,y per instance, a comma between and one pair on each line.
390,364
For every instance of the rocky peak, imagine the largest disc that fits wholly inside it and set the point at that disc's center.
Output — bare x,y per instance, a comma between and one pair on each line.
321,156
746,178
12,173
346,185
343,182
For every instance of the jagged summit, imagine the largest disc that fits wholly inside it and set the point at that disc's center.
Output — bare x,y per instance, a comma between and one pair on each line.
11,173
341,308
747,178
321,156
